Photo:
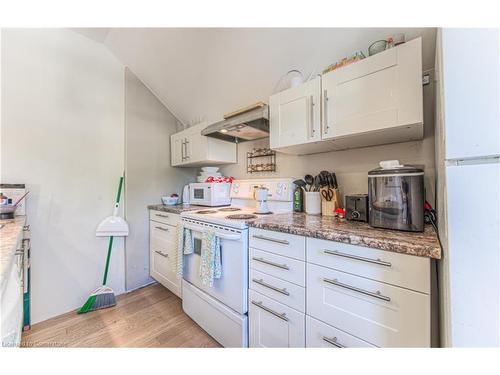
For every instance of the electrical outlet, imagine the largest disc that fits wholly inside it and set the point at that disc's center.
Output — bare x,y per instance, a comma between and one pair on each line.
426,79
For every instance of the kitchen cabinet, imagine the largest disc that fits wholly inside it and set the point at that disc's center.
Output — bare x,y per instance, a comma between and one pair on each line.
354,296
274,325
191,149
162,243
295,115
377,100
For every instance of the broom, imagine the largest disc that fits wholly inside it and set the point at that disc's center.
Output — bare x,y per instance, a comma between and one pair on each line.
104,296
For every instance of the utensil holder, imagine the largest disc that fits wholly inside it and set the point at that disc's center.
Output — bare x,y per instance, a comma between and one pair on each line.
312,202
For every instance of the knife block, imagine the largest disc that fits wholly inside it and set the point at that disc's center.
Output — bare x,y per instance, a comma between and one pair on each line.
328,207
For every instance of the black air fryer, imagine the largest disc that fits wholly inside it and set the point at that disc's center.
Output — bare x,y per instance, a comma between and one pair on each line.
396,198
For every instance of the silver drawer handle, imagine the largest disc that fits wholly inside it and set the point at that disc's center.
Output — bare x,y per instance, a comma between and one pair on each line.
259,237
163,229
262,260
281,316
263,283
162,254
376,294
160,215
356,257
333,341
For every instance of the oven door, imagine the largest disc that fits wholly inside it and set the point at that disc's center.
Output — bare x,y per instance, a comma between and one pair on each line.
232,288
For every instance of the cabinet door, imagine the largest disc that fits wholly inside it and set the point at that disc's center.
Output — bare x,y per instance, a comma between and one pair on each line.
196,145
381,92
176,150
295,115
162,256
274,325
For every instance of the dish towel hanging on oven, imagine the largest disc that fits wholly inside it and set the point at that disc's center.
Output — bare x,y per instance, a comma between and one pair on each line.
184,247
210,266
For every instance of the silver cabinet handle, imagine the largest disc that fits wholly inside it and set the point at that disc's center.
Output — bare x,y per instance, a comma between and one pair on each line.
265,308
359,290
163,229
325,110
259,237
162,254
160,215
356,257
262,260
263,283
185,145
312,117
333,341
26,227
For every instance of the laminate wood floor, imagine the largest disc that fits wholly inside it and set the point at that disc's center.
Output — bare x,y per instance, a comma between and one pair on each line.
149,317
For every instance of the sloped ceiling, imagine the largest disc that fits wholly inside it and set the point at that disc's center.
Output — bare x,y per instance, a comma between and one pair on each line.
206,72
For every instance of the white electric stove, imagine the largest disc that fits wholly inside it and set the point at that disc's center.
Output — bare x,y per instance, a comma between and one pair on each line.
221,310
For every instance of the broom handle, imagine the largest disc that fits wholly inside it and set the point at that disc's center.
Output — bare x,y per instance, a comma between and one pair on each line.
110,246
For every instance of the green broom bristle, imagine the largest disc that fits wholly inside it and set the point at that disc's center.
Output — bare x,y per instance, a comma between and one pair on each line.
99,301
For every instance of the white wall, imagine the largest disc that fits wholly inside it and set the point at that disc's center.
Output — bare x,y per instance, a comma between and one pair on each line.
352,166
148,172
63,135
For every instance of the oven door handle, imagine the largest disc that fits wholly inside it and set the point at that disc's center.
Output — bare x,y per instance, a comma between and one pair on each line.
224,236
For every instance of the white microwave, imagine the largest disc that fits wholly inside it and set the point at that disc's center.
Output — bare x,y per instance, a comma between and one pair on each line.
210,194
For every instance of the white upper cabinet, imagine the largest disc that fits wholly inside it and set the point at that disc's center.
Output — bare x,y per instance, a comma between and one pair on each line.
295,115
191,149
379,93
377,100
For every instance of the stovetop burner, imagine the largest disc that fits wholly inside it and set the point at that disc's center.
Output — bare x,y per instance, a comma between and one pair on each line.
241,216
206,212
229,209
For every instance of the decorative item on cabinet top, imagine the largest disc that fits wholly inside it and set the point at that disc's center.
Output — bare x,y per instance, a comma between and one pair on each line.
261,154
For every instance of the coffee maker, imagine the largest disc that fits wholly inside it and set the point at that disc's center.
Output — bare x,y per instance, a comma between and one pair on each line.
260,194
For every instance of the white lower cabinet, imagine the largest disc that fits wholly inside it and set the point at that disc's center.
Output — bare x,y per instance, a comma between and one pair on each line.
382,314
162,244
274,325
321,335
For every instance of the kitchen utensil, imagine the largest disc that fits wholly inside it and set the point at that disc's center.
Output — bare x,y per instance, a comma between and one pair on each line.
334,181
309,181
327,194
356,207
377,47
312,200
317,183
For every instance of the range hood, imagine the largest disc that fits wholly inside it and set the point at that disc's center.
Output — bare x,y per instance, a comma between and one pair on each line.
247,124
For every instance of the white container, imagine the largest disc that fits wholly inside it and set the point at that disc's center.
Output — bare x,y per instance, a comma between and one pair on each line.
312,201
210,169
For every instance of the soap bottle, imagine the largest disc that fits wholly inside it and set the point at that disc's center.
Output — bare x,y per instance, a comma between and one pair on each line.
298,199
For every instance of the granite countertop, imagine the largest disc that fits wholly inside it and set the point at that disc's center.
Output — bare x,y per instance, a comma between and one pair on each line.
177,209
424,244
10,234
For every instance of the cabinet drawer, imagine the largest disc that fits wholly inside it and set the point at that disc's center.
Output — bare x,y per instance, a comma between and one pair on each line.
408,271
285,244
321,335
381,314
164,217
288,269
274,325
282,291
162,231
162,269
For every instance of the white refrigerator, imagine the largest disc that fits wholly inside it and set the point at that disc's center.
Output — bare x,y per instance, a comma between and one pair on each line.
468,184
